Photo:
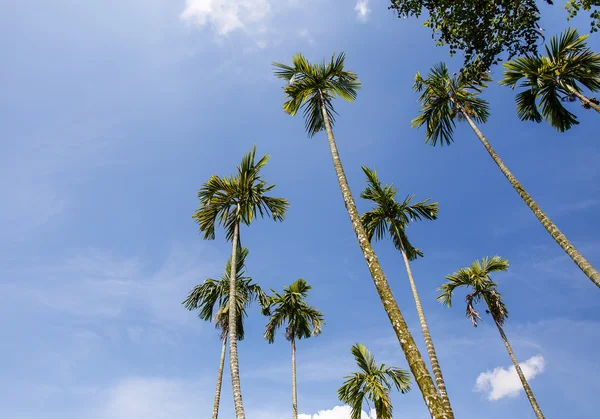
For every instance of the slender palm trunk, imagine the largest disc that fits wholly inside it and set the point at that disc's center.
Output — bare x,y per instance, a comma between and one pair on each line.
416,364
294,389
435,366
233,354
532,400
584,99
220,380
560,238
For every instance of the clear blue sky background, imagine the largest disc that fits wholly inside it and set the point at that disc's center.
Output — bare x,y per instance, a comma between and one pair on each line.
112,115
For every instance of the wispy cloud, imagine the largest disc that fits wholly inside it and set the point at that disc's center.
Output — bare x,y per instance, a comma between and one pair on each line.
362,10
504,382
225,16
338,412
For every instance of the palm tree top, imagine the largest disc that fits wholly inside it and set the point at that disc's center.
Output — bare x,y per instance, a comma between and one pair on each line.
310,85
303,321
391,216
568,63
373,382
237,199
444,98
477,277
215,293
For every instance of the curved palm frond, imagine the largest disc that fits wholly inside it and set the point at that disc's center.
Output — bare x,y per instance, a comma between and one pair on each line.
477,278
373,382
548,80
310,85
303,321
444,98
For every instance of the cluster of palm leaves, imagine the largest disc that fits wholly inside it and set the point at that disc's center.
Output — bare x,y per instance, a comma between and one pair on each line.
237,200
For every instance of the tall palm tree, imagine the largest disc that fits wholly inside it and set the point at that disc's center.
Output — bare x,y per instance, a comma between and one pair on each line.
312,87
213,294
302,320
393,218
568,65
230,201
373,382
445,99
477,278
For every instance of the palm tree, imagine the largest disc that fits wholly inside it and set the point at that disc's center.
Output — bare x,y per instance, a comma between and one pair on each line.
215,293
231,201
446,98
477,277
373,382
302,320
393,217
312,87
555,78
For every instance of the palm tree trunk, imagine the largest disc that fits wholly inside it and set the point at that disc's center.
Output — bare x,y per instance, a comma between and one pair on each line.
220,380
233,354
530,396
435,366
294,389
584,99
416,364
560,238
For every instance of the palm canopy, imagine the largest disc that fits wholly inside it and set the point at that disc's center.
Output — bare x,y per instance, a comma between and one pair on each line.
213,294
548,80
373,382
312,85
391,216
477,277
228,201
444,98
303,321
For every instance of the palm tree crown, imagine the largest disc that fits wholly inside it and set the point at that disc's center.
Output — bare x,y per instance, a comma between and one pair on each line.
444,98
215,293
311,85
551,79
230,200
477,277
391,216
303,321
373,382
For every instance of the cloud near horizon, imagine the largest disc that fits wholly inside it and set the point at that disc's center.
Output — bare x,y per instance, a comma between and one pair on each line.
504,382
338,412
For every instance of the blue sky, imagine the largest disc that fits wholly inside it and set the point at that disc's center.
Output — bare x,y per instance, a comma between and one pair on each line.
115,112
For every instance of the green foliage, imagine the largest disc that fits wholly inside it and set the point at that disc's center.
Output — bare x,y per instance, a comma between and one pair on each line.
312,85
237,199
373,382
391,216
303,321
477,277
551,79
574,6
481,29
213,294
444,98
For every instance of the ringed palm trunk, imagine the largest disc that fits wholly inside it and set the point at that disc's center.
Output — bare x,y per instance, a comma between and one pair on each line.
233,354
584,99
435,366
220,380
416,364
294,389
530,396
556,234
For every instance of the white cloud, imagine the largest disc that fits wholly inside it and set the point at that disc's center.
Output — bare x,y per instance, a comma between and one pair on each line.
225,16
155,398
504,382
362,10
338,412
